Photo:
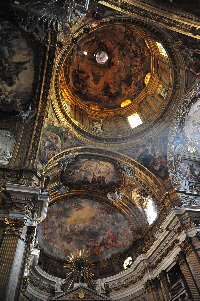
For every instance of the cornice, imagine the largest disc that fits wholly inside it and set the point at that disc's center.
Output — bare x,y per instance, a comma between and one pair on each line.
177,20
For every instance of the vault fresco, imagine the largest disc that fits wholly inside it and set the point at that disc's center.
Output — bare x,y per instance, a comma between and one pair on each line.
91,171
16,69
121,77
84,224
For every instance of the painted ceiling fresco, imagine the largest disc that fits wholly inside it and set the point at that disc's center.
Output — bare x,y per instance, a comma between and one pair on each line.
16,69
91,171
82,223
108,66
56,137
152,154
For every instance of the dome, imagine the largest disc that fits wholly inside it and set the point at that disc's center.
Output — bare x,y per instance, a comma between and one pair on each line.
113,81
107,66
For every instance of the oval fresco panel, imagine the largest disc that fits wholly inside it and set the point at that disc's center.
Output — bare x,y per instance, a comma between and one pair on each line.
79,224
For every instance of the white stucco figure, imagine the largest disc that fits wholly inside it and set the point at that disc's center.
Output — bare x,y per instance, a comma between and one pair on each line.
7,141
115,196
58,285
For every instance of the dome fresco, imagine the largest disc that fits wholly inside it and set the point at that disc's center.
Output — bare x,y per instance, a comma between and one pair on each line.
108,72
108,66
84,224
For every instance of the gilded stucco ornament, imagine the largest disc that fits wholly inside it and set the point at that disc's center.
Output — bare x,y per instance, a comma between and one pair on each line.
79,269
181,22
115,196
14,225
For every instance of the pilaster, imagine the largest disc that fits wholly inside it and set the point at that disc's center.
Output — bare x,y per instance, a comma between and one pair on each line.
21,208
191,283
11,254
164,285
193,261
153,290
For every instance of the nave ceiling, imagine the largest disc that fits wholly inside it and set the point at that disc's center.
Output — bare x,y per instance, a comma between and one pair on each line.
68,90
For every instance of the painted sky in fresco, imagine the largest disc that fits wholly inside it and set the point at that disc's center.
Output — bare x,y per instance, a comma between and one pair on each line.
76,224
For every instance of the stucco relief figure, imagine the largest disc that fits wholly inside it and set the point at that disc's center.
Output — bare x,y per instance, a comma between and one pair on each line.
162,91
27,115
6,145
188,174
150,209
128,170
115,196
97,127
59,284
100,286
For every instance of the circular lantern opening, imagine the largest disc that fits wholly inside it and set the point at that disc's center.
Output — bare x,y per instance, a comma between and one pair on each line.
101,57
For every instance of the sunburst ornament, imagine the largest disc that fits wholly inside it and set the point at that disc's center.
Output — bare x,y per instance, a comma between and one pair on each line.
79,269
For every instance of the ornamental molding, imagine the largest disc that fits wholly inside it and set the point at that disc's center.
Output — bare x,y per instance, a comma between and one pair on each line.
14,226
175,20
141,174
22,201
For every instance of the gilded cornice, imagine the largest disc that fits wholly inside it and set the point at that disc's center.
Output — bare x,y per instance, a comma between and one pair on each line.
177,21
